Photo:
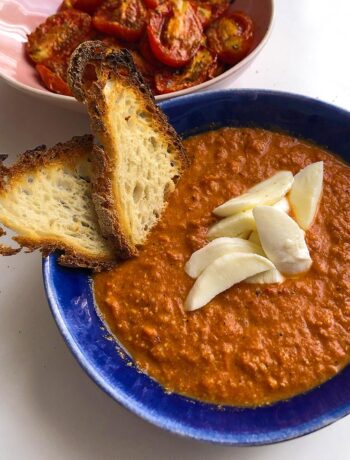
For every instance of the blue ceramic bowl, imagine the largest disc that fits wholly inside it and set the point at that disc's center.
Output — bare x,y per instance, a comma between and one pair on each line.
71,300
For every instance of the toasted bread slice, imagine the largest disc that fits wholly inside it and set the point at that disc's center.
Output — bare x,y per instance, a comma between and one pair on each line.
45,197
141,157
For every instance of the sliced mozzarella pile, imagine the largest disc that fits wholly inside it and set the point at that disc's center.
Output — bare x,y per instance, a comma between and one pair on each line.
276,243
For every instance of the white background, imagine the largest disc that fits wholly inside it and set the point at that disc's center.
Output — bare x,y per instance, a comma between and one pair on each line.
49,408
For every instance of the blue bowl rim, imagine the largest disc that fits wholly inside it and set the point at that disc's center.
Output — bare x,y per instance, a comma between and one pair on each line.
253,92
232,439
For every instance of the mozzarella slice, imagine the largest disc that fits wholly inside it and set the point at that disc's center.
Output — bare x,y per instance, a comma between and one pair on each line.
267,192
244,235
254,238
282,205
223,273
233,226
306,193
272,276
282,240
202,258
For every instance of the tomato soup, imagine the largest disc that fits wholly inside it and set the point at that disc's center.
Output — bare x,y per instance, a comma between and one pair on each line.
252,344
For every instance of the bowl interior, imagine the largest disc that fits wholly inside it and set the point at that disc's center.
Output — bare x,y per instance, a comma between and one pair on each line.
71,299
19,17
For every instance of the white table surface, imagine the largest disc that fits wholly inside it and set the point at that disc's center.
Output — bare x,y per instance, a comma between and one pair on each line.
49,408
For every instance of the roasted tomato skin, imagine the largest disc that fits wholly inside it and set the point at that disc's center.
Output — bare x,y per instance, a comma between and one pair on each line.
53,76
209,10
147,53
88,6
124,19
151,4
59,35
203,66
231,37
174,33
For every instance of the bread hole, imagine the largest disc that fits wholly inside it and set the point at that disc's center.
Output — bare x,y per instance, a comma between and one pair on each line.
153,141
90,75
83,171
144,115
64,204
137,192
64,185
30,180
85,179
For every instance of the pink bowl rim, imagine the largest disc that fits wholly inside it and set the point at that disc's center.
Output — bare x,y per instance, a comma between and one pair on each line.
45,93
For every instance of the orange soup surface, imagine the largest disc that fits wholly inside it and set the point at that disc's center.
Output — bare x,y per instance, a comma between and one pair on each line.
252,344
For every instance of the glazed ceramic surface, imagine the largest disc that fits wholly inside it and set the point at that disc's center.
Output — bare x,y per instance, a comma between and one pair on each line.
19,17
70,295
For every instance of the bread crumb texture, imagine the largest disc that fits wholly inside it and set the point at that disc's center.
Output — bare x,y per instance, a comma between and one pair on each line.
141,180
54,203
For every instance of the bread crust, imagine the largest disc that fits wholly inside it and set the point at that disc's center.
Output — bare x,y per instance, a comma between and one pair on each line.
68,257
93,65
66,153
102,196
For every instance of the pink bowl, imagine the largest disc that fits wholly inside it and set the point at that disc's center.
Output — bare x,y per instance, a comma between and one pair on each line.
20,17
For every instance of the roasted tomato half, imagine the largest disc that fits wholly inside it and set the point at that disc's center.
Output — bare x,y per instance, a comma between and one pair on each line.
210,10
174,32
125,19
231,37
202,67
59,35
89,6
53,74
